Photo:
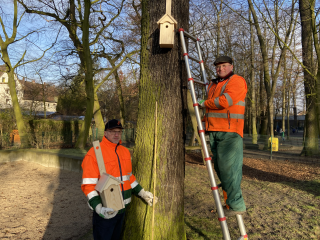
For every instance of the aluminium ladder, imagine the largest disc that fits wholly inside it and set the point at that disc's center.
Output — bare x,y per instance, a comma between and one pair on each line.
207,158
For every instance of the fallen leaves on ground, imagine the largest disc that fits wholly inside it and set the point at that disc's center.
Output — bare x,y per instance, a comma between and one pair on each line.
269,170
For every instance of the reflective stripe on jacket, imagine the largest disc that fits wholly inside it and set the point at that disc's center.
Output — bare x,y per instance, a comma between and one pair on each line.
112,154
225,106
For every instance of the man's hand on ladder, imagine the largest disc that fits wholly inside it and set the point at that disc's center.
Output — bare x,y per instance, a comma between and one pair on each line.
201,103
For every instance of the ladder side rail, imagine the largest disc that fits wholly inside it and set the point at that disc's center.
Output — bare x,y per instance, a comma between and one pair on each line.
204,75
242,228
214,187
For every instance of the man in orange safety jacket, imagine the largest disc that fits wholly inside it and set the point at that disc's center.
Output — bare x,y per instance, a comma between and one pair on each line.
224,121
107,223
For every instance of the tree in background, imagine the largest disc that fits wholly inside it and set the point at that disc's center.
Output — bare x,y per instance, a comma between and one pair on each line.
85,22
163,79
5,43
272,70
311,121
72,97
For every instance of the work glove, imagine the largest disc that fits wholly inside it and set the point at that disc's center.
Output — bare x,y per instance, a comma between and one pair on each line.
148,197
201,103
104,212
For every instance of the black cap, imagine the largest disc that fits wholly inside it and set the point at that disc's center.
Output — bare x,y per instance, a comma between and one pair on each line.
223,59
114,123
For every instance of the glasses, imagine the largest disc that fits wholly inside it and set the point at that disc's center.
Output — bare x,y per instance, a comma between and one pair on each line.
222,66
115,132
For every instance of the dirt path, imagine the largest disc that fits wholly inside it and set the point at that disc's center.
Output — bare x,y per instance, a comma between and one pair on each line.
41,203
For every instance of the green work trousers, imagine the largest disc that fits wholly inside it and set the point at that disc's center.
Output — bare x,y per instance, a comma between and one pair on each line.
227,149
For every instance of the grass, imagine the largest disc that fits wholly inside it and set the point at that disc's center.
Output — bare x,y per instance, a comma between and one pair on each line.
276,210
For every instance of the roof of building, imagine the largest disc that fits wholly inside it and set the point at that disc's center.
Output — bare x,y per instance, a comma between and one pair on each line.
35,91
2,69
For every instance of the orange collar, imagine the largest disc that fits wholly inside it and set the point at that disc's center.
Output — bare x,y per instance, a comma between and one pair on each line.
109,144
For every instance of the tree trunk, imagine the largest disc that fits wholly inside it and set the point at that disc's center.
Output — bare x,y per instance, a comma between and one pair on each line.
194,124
17,109
14,99
163,79
44,99
315,29
253,90
288,111
311,129
193,117
4,45
263,111
98,116
86,64
283,116
120,96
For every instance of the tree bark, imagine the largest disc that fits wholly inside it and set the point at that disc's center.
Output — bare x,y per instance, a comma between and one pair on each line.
98,116
288,110
86,64
263,111
163,79
311,129
283,116
253,90
120,96
193,118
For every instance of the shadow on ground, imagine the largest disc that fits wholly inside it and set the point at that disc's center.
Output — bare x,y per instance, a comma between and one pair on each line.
197,230
312,186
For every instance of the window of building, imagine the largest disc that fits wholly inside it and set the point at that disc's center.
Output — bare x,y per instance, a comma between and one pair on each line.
3,79
8,101
48,105
8,91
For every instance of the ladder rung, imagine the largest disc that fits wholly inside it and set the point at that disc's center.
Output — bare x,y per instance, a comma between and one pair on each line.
190,36
199,82
194,59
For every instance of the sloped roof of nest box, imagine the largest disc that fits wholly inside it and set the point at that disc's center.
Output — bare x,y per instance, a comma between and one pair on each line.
104,178
167,18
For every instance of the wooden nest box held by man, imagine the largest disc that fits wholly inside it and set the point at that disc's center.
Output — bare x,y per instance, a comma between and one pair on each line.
110,192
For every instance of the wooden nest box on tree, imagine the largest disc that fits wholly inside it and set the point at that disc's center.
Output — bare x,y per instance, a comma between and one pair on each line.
167,24
110,192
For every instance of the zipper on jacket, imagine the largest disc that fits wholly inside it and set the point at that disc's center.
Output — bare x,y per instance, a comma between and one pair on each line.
120,170
228,114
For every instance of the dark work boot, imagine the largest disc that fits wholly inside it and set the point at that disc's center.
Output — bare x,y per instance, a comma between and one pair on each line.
229,212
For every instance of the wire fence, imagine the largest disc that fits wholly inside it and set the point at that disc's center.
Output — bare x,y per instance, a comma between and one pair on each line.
278,147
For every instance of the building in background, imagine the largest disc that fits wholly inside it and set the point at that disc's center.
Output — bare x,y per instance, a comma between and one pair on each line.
32,96
5,97
38,97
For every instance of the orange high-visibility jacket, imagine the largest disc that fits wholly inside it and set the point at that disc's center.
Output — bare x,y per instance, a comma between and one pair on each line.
117,162
226,105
